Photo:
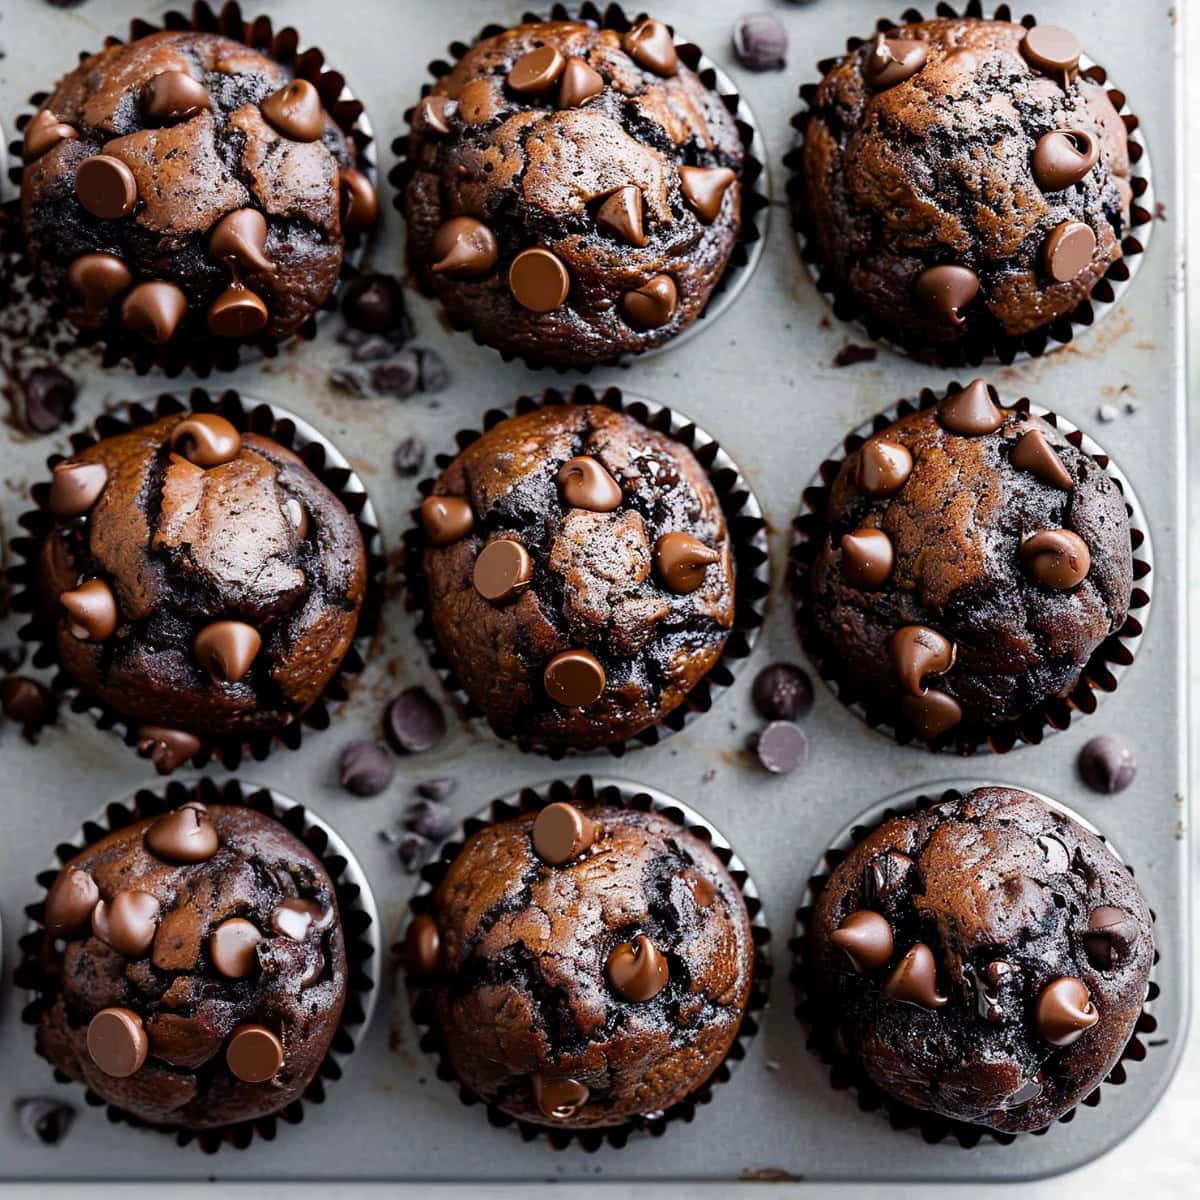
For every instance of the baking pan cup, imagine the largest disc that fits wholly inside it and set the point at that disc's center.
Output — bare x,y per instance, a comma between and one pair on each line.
282,45
1104,670
356,906
845,1073
584,791
747,534
756,199
992,344
249,416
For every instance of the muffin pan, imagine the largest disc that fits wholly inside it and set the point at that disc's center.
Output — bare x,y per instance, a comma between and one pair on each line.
761,381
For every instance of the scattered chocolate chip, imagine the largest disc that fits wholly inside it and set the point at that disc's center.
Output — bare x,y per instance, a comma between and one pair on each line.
783,692
365,768
355,380
409,456
436,789
45,1121
375,304
415,721
781,747
398,377
414,851
167,749
1110,937
429,818
760,42
1107,764
28,704
851,355
48,396
434,374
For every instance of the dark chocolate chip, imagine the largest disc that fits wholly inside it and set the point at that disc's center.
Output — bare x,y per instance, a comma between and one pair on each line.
760,42
428,818
914,980
27,703
422,944
781,747
365,768
436,789
375,304
414,851
44,1121
1107,764
1064,1010
865,938
398,376
1110,937
783,692
49,398
415,721
409,456
851,355
1035,455
434,374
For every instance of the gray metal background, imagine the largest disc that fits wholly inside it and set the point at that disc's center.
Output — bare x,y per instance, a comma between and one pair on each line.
761,381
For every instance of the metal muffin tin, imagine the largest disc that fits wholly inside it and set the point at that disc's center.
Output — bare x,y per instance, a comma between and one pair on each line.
761,381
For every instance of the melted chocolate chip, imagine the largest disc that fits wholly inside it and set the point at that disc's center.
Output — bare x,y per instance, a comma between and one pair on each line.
942,292
914,980
167,749
1110,937
536,72
183,836
890,61
174,96
637,970
1063,157
91,611
1064,1011
464,248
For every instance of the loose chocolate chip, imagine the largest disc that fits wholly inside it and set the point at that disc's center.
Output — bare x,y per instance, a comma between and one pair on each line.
1110,937
44,1121
434,374
851,355
433,115
1053,51
415,721
409,456
69,902
1063,1011
653,304
428,818
682,560
365,768
1069,251
914,980
918,651
464,248
704,189
890,61
932,714
574,678
43,133
538,279
398,377
621,215
98,279
781,747
185,835
106,187
127,924
637,970
536,72
237,313
881,467
1107,764
91,611
1063,157
422,945
558,1099
359,201
650,45
295,111
233,948
27,703
865,938
561,833
414,851
941,292
446,519
372,347
117,1042
1035,455
580,83
1056,558
167,749
153,311
49,398
585,483
502,570
970,412
760,42
239,239
783,692
174,96
254,1054
436,789
375,304
227,649
76,487
867,558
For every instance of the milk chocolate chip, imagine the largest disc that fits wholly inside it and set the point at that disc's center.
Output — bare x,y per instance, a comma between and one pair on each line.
226,649
865,938
106,187
464,248
206,440
185,835
682,561
117,1042
295,111
561,833
914,980
637,970
91,611
445,519
1064,1011
650,45
574,678
76,487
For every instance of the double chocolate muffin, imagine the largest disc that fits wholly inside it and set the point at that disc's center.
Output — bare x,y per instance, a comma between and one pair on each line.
573,193
201,583
197,967
986,959
587,966
963,183
186,188
973,561
579,575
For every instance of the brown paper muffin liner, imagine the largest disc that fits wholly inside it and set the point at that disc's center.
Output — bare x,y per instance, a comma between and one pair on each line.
747,535
249,416
755,183
1100,676
845,1072
611,793
202,357
990,343
356,907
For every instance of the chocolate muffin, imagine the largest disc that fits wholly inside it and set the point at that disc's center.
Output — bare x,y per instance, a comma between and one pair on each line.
579,575
186,188
986,959
963,183
587,966
201,583
198,967
973,562
573,193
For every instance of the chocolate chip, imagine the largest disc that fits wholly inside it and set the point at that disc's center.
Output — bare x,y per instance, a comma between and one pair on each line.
43,133
174,96
580,83
106,187
415,721
422,945
881,467
970,412
98,279
885,875
127,923
153,311
536,72
760,42
365,768
359,201
574,678
183,836
44,1121
637,970
446,519
783,692
117,1042
653,304
781,747
436,789
433,115
1110,937
502,571
704,189
414,851
237,313
932,714
373,348
1107,764
434,374
76,487
538,280
866,940
398,377
585,483
295,111
867,558
240,240
355,380
375,304
464,248
941,292
558,1099
1056,558
1035,455
70,902
561,833
409,456
914,980
1052,50
621,215
851,355
650,45
890,61
91,609
166,748
1063,157
1064,1010
27,703
227,649
1069,251
918,651
682,561
48,398
428,818
233,948
254,1054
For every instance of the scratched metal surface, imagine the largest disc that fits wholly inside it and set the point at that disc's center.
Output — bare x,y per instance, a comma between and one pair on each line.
761,380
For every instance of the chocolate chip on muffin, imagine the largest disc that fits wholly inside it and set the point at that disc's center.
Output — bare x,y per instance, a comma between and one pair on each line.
985,959
963,182
574,193
184,187
202,583
974,561
199,967
587,967
579,575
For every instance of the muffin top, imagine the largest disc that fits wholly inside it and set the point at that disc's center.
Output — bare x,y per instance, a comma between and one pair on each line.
588,965
202,582
184,186
579,573
199,967
963,180
574,192
974,561
985,959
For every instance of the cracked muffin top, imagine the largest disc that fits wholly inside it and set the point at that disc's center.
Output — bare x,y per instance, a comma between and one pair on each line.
986,959
198,967
964,182
588,966
574,193
973,563
201,582
579,574
184,187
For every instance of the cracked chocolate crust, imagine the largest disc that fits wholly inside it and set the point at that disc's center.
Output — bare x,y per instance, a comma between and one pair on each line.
594,584
536,174
181,548
188,1008
995,877
189,174
937,169
955,528
523,990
